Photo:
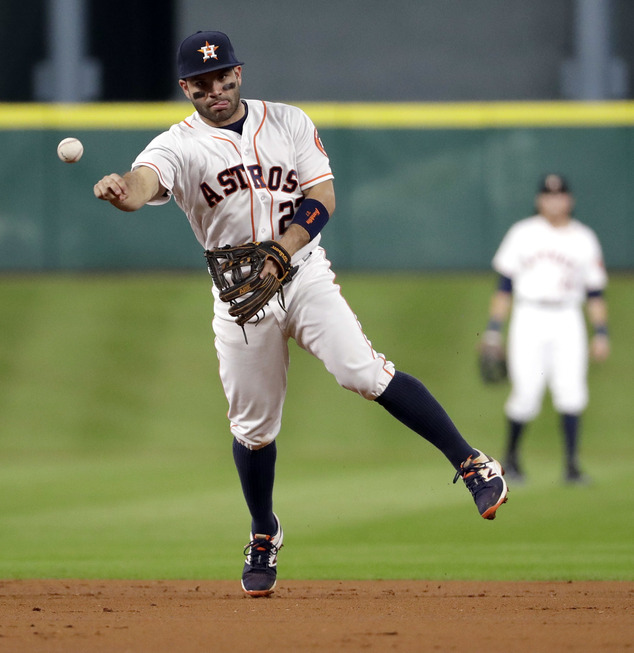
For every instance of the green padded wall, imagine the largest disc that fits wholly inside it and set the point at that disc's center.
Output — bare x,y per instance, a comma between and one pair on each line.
416,194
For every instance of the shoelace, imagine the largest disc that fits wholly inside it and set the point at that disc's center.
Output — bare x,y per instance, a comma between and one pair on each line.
260,551
470,474
469,469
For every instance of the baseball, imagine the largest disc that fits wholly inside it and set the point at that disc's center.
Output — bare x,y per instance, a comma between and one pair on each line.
70,150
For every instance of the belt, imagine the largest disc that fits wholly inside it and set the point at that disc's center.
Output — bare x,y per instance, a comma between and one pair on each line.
547,303
305,258
293,271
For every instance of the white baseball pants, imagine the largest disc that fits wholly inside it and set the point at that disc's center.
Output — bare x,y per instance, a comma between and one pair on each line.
547,348
254,375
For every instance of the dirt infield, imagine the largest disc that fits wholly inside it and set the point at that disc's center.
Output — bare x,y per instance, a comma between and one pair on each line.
77,616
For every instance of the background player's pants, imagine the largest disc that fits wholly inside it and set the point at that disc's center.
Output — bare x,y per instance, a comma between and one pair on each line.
547,347
254,375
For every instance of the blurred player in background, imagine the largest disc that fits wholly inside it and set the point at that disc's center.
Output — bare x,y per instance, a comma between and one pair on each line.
550,265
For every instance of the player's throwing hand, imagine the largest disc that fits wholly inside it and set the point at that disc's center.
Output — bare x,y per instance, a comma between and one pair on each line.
111,188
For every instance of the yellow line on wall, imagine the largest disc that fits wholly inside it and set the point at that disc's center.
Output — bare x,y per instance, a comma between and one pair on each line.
468,115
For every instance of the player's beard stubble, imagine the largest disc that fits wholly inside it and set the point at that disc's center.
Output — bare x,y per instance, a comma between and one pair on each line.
219,110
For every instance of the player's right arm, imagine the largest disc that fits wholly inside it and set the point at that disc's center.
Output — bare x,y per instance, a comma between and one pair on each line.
132,191
500,306
499,310
596,307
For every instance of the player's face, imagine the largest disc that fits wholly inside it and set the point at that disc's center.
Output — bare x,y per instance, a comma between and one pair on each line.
216,95
555,205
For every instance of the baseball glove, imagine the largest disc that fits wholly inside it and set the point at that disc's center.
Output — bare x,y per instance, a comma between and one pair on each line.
236,273
492,358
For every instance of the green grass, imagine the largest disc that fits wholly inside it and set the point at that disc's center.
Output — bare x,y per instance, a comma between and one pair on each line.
116,454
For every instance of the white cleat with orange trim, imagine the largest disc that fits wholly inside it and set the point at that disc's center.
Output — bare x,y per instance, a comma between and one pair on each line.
260,568
483,477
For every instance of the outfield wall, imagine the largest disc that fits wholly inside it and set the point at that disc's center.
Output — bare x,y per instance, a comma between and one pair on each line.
418,186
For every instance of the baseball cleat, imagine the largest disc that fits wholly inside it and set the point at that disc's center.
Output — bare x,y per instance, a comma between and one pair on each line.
483,477
576,477
260,568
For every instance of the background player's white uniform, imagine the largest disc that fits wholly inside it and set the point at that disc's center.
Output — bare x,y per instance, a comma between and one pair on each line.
551,268
240,188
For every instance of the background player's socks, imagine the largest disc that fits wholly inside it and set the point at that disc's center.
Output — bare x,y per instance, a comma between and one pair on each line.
256,469
515,431
407,399
570,427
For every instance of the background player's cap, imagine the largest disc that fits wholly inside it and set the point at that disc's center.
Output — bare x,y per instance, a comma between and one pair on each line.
203,52
553,183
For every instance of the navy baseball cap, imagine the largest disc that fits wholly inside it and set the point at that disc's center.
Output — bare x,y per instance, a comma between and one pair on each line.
553,183
203,52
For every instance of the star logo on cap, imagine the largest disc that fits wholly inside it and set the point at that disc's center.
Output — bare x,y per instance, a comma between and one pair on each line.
209,51
553,183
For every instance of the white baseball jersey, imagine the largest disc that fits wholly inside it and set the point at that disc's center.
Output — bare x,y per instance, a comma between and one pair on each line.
551,264
552,268
237,188
241,188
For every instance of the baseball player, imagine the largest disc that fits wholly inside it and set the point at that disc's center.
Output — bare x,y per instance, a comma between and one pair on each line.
248,171
549,265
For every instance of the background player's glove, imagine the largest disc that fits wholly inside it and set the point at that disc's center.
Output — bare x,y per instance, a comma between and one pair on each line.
236,273
492,358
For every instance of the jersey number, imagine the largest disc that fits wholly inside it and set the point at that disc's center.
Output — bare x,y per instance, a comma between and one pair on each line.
287,210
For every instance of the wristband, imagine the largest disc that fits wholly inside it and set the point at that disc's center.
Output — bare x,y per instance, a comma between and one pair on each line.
505,284
312,215
494,325
601,330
